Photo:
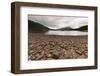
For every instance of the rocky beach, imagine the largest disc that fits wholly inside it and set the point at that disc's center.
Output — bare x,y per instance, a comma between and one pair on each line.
48,47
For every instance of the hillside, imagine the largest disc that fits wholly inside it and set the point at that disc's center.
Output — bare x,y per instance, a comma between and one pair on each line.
36,27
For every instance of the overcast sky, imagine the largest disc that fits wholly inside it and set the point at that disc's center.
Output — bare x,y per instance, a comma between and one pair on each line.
57,22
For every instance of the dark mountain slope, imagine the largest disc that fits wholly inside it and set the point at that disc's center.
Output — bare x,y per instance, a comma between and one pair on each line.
83,28
36,27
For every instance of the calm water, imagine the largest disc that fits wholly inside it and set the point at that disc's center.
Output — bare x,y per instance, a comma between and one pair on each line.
71,33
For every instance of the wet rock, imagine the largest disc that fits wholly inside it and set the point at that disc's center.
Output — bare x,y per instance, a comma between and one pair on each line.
54,56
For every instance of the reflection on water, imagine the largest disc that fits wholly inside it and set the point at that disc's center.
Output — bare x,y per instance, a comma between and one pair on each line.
71,33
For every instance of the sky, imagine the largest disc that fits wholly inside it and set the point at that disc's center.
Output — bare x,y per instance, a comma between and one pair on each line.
57,22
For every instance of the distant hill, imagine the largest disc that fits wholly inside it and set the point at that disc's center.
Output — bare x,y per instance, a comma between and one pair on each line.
36,27
79,29
65,28
82,28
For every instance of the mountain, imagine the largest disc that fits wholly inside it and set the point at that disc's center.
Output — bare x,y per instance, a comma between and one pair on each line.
36,27
65,28
83,28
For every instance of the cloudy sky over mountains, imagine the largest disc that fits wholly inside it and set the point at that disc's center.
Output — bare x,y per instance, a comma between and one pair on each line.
57,22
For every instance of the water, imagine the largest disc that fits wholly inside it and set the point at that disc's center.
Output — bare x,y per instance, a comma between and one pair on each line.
69,33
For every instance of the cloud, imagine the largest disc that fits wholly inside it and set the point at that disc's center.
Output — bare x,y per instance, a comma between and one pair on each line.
57,22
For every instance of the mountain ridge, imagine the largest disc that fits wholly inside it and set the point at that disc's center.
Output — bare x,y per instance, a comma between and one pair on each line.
38,27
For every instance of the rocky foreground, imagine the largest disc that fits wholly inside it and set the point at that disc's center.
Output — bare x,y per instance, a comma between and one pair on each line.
46,47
